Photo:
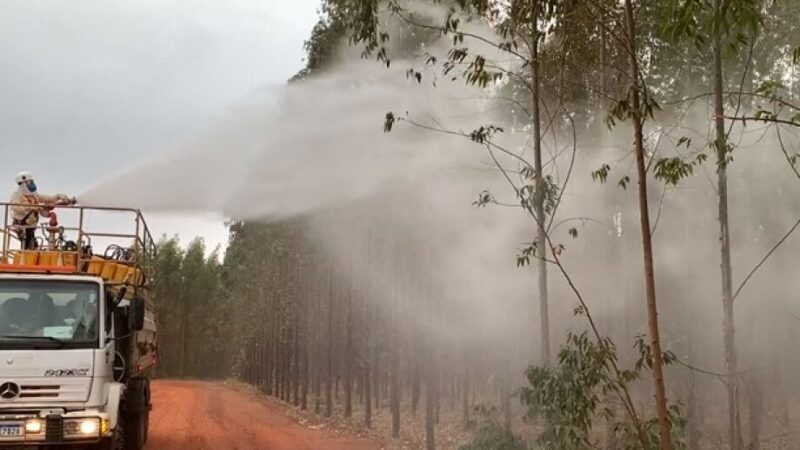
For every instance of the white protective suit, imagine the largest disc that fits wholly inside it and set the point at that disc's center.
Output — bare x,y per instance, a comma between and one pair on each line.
31,205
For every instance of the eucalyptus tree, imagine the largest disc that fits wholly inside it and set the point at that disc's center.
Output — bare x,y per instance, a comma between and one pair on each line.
524,30
524,35
725,26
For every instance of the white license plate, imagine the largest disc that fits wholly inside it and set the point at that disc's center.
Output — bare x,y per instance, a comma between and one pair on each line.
10,429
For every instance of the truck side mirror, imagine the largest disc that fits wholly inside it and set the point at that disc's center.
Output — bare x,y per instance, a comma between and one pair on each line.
136,314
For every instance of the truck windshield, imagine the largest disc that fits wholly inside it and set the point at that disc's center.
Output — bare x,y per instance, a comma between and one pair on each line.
48,314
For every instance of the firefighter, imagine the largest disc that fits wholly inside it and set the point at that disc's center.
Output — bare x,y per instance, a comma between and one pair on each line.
28,205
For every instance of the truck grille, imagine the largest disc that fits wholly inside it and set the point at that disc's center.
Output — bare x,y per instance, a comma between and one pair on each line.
42,391
48,390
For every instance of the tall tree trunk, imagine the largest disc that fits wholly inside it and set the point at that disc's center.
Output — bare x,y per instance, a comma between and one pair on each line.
647,243
465,396
296,357
348,360
318,358
376,385
611,425
265,353
278,367
693,416
329,361
505,403
603,57
437,398
755,415
734,422
430,404
395,397
287,361
539,199
304,382
394,376
367,394
184,338
416,389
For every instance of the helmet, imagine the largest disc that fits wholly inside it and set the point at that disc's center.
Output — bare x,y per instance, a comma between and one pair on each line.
23,177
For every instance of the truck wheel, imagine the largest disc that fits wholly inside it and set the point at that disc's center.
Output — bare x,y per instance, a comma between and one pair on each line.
136,431
137,414
146,425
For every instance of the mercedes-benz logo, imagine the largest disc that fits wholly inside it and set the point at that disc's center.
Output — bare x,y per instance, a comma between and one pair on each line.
9,390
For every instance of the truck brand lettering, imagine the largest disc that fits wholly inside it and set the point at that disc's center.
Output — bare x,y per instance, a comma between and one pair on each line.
66,372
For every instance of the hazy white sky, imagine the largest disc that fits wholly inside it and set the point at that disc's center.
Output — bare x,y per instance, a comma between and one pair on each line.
88,86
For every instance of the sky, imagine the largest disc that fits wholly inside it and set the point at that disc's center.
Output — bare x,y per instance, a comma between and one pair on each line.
89,87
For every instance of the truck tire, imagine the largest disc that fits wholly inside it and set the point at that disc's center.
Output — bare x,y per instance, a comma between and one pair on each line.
137,413
135,431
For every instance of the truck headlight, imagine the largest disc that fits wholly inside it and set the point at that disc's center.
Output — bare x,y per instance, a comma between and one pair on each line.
90,427
33,426
87,427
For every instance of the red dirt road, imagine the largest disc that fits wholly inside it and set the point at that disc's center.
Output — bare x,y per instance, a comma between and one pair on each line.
213,416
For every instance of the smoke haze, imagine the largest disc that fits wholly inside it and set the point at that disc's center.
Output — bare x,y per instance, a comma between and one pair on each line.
320,152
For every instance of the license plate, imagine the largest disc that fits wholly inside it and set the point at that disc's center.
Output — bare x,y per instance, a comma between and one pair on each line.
10,430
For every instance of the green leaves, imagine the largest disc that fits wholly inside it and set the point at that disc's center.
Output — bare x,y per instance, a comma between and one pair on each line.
411,73
484,133
529,251
736,22
484,198
623,109
568,396
571,396
645,359
188,283
491,434
770,88
530,192
388,122
673,170
475,72
684,21
601,174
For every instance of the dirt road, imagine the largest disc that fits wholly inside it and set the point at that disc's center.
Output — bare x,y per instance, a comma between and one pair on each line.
210,416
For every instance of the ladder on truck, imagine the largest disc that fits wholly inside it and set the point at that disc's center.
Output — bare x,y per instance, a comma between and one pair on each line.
86,240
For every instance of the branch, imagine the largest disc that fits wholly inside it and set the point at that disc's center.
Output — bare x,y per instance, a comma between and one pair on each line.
777,100
741,85
785,152
764,120
721,376
465,135
568,175
581,219
764,259
660,208
463,33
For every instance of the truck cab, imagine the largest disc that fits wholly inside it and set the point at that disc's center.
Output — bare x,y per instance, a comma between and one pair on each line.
77,337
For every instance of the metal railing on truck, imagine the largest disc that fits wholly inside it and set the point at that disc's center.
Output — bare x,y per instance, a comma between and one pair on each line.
71,246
